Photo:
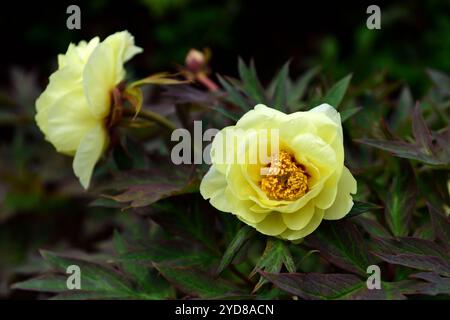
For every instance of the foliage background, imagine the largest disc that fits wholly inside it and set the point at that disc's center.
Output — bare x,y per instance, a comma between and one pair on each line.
43,207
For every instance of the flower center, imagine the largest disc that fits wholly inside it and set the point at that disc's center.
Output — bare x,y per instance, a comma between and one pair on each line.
286,178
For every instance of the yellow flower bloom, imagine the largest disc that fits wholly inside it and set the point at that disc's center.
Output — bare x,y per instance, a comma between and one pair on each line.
305,182
72,111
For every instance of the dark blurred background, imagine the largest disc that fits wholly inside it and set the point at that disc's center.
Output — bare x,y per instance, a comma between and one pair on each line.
414,34
41,203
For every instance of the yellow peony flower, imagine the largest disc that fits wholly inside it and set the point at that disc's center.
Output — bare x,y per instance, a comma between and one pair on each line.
306,180
73,110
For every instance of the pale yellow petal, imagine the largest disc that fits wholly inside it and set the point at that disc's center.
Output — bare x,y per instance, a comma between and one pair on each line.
99,80
212,182
343,203
261,117
69,120
226,201
299,219
272,225
88,153
308,229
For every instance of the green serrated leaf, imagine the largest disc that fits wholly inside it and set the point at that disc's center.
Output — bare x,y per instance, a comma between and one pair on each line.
280,95
298,89
242,236
361,207
275,255
233,95
46,283
348,113
440,223
139,273
250,81
400,201
372,226
440,80
195,282
94,276
336,93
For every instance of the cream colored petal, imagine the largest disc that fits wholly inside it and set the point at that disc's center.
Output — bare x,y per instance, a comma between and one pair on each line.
315,150
99,80
225,147
221,201
272,225
327,196
68,121
329,111
242,210
261,117
299,219
342,205
212,182
310,227
88,153
225,201
258,209
123,45
61,82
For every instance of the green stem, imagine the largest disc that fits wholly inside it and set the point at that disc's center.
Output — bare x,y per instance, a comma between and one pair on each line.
153,116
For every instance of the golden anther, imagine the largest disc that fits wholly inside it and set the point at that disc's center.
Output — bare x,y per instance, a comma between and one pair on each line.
286,180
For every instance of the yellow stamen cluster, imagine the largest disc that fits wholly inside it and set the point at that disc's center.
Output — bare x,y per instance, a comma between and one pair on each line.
286,178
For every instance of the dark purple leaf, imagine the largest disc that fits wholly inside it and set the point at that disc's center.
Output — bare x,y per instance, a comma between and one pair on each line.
318,286
420,130
341,243
401,200
435,284
142,188
441,224
414,253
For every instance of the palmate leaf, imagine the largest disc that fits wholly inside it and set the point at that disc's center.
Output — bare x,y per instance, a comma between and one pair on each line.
361,207
191,223
414,253
45,283
251,84
401,200
348,113
95,278
298,89
440,80
335,286
441,225
139,273
275,255
373,227
175,253
423,149
280,96
196,282
342,244
242,236
403,108
435,284
234,96
141,188
336,93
